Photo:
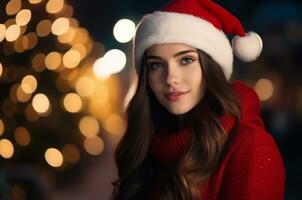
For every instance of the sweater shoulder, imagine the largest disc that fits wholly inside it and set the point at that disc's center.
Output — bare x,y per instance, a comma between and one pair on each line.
255,165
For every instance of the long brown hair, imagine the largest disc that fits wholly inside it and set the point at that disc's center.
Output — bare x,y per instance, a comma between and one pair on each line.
138,171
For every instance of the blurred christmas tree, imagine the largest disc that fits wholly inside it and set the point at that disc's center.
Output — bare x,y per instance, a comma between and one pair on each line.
56,100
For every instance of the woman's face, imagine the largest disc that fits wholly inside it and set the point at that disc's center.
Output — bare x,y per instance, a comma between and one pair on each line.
175,76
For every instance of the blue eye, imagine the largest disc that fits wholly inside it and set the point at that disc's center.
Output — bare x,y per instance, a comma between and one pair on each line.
186,61
154,66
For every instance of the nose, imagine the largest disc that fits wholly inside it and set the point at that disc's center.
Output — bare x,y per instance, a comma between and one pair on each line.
172,75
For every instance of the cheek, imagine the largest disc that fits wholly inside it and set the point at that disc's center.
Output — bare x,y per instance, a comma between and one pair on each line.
154,83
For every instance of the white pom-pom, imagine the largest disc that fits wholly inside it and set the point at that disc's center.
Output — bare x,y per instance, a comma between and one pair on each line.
247,48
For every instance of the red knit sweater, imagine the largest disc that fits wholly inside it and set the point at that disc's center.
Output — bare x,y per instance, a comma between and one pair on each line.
252,168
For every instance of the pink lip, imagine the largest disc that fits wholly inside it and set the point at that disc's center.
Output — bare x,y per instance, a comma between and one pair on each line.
175,96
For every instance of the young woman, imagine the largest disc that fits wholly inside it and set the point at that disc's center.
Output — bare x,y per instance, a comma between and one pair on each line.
192,132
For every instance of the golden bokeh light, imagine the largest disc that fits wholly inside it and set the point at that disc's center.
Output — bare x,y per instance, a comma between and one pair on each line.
12,33
94,145
81,49
115,124
38,63
22,136
74,23
18,45
100,106
60,26
54,157
29,84
89,126
25,41
68,36
22,96
32,40
13,6
84,86
31,114
67,11
34,1
72,102
81,36
124,30
71,59
2,127
43,28
41,103
23,17
264,89
23,29
71,153
1,69
53,60
54,6
10,22
2,32
6,148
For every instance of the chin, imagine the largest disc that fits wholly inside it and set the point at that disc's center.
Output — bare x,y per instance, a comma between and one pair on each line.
178,111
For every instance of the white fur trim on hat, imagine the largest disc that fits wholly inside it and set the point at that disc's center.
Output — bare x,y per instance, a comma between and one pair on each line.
248,47
170,27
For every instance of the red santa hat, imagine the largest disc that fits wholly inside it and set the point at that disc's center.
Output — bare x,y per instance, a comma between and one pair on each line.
202,24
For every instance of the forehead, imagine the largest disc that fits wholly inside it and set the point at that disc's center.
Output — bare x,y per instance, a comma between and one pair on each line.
167,49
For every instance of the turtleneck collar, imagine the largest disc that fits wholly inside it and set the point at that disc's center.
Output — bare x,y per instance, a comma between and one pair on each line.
169,148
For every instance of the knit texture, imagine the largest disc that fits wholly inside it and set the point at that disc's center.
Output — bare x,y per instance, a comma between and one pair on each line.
252,169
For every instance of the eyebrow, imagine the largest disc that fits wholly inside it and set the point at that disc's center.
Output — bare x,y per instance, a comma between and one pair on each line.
175,55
